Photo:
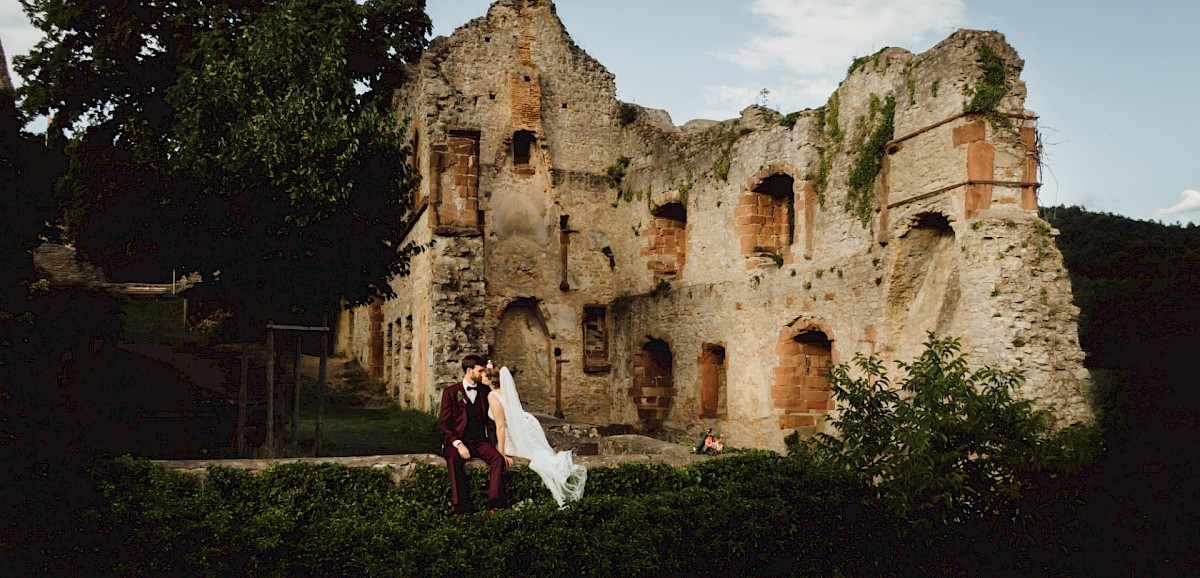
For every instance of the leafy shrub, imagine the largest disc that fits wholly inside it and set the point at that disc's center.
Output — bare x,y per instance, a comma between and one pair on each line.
789,119
721,166
627,114
949,443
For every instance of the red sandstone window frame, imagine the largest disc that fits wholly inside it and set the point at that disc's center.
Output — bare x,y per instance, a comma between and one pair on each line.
596,363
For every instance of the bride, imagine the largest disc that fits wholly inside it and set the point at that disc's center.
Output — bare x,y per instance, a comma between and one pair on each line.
520,434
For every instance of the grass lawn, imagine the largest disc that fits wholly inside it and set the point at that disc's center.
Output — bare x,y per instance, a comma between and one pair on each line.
359,431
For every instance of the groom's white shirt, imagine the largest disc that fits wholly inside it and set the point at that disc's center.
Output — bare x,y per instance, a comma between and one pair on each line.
471,393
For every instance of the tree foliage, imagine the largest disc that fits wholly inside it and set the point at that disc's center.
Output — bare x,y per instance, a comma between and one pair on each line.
1135,284
949,441
249,141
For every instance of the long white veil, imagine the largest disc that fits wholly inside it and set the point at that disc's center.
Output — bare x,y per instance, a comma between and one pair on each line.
526,439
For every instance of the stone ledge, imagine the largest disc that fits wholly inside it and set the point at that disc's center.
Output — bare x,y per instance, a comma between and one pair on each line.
623,449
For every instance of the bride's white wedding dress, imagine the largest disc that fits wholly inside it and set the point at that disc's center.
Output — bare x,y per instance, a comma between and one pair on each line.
526,439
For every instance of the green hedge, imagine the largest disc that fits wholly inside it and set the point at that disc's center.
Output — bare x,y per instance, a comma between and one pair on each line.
753,513
757,513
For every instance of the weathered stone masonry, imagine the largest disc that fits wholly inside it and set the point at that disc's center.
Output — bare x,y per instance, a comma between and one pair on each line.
714,281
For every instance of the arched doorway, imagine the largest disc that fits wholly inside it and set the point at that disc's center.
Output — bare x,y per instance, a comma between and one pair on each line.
712,381
801,391
653,383
523,344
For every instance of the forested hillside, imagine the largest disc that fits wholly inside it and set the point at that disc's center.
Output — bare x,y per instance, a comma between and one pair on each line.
1136,284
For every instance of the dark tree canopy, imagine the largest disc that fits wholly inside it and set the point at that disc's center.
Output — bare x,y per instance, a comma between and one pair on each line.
252,142
27,173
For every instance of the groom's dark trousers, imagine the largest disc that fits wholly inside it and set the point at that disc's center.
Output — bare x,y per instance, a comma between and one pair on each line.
460,419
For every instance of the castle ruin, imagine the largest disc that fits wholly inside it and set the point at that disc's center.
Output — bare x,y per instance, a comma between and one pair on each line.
705,276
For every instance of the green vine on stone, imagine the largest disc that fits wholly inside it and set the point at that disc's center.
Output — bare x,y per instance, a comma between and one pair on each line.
721,166
986,96
615,173
830,129
686,188
860,198
834,130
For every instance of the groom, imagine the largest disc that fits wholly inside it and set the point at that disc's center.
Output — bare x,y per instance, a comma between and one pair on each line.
468,432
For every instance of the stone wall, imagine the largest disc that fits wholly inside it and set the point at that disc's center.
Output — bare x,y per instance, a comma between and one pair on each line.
704,276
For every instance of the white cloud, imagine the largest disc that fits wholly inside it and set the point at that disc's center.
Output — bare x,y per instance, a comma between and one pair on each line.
725,101
819,36
1189,202
16,33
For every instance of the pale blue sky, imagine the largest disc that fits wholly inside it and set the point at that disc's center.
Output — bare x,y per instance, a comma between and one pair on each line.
1115,83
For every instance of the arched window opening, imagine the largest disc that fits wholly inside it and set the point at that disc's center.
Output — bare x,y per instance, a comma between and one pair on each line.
767,217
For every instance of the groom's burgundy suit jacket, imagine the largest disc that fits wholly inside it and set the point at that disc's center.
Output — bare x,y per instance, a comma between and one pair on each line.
452,416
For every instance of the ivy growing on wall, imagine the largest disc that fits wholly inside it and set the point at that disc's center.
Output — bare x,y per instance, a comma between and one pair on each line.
615,173
827,120
877,129
721,166
985,97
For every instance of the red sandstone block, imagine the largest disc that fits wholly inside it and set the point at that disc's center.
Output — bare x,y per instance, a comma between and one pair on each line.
796,421
788,394
787,347
785,375
814,381
652,413
981,161
745,210
973,131
1029,137
747,232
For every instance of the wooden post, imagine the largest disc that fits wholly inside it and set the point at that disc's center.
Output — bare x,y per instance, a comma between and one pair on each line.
321,385
564,242
296,396
558,361
270,390
241,422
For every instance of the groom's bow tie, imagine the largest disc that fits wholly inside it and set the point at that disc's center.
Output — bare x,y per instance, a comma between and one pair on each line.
472,388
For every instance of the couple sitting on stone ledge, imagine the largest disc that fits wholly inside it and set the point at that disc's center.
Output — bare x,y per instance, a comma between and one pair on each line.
479,420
